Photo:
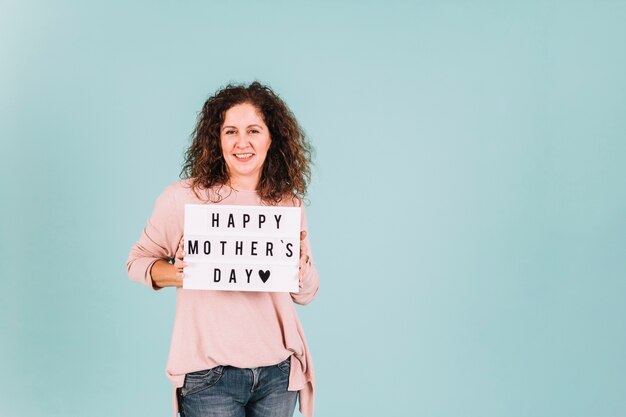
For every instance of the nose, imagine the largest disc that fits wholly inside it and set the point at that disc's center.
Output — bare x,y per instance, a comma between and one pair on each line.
242,141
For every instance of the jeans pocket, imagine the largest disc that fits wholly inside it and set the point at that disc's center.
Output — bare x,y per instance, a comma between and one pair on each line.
201,380
285,365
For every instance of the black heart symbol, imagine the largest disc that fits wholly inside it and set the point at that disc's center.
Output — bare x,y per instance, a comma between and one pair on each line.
265,275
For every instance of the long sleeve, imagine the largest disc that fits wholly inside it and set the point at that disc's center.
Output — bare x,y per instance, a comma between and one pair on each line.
245,329
159,239
311,281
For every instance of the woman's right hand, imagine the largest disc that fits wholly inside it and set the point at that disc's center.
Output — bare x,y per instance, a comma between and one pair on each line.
179,264
165,274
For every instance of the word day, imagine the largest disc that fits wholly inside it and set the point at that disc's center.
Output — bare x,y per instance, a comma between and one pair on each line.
232,276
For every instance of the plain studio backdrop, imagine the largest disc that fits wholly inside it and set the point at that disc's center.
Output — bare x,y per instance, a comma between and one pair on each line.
467,210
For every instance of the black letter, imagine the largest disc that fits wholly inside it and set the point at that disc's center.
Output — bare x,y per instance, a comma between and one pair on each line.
277,217
223,242
268,249
216,220
207,247
248,273
217,275
239,247
253,248
290,252
261,216
192,248
231,220
246,219
232,276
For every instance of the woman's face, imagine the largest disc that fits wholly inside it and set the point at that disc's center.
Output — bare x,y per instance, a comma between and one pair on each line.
245,140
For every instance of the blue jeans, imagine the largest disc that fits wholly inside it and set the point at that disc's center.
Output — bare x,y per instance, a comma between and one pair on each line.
226,391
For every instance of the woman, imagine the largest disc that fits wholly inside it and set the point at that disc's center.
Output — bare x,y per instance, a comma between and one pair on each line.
234,353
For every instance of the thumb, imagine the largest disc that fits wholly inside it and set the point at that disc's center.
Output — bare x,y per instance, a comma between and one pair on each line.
302,234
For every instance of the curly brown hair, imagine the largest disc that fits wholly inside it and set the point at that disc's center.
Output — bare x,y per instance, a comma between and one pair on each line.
286,169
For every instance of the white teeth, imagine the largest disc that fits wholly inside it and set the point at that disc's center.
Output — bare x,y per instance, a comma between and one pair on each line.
243,155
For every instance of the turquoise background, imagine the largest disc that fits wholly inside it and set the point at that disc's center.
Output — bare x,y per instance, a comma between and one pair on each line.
467,207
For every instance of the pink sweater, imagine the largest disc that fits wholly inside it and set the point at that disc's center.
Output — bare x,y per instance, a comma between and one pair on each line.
236,328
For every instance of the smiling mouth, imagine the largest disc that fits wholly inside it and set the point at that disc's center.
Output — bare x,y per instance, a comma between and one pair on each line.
244,156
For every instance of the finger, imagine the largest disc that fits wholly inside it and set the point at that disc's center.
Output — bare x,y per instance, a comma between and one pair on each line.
302,234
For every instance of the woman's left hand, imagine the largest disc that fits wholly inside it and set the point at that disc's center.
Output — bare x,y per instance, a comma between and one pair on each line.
305,259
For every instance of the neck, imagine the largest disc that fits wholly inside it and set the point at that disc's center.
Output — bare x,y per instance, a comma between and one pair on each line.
243,183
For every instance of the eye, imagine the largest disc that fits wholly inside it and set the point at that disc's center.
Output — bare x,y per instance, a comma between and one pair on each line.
228,132
254,131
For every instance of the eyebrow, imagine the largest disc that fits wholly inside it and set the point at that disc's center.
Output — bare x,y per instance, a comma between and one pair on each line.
233,127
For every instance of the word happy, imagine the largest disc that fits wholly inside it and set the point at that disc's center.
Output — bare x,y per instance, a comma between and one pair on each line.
243,222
